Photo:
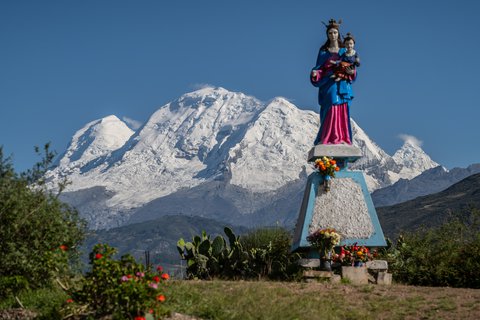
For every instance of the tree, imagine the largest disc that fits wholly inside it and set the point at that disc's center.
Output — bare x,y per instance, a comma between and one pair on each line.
39,235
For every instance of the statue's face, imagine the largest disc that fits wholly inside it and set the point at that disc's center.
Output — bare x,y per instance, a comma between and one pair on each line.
333,34
349,44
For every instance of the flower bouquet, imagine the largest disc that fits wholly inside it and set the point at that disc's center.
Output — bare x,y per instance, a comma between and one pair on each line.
326,167
354,255
324,240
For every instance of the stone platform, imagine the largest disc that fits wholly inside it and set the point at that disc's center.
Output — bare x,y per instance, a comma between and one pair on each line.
346,152
347,207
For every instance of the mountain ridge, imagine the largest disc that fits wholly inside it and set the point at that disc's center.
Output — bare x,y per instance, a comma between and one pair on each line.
432,210
209,135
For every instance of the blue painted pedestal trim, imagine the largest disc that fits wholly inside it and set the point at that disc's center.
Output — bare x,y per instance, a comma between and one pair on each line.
315,181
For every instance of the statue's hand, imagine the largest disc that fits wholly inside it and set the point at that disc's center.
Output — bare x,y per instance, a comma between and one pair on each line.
350,70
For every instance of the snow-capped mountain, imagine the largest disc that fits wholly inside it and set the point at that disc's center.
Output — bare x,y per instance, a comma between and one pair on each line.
205,136
95,139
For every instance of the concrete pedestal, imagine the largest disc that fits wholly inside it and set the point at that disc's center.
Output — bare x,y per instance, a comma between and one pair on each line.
347,207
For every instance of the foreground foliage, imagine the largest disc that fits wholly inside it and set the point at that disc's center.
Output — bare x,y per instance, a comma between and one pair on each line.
120,288
262,253
39,234
448,255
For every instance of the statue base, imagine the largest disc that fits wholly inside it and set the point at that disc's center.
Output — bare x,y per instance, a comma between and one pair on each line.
347,206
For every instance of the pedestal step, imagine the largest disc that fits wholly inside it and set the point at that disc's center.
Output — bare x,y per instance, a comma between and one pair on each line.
316,275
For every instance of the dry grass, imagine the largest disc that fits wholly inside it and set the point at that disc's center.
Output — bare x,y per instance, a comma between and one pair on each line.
280,300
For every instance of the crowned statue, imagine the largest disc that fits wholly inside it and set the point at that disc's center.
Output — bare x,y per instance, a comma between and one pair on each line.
333,75
335,197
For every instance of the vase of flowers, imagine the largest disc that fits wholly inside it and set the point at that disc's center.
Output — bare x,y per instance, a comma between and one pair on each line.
324,240
327,167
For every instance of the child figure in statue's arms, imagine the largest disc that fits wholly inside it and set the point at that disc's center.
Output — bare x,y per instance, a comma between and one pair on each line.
349,59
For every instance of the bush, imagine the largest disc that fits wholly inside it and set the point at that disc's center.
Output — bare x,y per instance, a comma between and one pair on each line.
208,259
448,255
40,235
122,288
269,253
262,253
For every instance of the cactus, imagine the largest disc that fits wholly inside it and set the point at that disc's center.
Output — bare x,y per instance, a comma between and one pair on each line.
207,259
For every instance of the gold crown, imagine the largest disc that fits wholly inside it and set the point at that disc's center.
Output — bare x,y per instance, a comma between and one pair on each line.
332,23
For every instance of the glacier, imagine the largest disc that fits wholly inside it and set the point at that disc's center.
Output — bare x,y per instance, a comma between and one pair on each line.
204,141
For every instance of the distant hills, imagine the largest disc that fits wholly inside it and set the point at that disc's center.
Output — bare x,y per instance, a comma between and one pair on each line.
159,237
431,210
430,181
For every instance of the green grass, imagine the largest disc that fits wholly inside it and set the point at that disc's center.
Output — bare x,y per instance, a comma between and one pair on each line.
282,300
290,300
45,302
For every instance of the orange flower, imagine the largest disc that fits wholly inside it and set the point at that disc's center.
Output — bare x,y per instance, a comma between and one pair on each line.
165,276
333,161
161,298
337,169
63,247
69,300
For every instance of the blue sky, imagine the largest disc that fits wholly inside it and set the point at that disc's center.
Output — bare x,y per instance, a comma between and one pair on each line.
66,63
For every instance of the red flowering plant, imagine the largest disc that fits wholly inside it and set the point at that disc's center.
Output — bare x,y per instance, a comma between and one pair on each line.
353,255
121,288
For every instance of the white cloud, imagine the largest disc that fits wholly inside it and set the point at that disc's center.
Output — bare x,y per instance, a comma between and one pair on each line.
413,140
198,86
133,124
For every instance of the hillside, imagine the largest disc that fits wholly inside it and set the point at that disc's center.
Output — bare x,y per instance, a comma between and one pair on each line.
430,181
431,210
157,236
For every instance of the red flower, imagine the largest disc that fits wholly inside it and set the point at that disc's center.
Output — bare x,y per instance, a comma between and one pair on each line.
139,318
63,247
156,279
98,256
69,300
159,268
129,276
165,276
161,298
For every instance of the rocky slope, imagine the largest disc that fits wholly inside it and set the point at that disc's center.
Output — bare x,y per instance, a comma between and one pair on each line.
210,137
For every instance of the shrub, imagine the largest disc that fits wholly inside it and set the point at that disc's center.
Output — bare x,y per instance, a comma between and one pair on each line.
39,234
448,255
262,253
207,259
122,288
269,253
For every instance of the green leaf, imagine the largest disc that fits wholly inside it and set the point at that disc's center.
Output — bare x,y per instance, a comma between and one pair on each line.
218,246
205,247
